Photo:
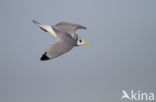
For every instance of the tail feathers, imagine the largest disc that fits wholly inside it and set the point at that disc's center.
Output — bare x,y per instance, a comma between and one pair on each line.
44,57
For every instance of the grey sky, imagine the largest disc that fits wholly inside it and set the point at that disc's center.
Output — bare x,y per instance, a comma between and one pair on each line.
121,34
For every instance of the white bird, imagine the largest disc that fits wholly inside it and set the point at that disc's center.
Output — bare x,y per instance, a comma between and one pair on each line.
65,36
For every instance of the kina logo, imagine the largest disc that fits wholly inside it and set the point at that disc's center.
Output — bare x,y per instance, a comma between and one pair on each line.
137,95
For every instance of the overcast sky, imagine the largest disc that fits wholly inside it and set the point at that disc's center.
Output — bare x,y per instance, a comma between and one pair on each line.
122,38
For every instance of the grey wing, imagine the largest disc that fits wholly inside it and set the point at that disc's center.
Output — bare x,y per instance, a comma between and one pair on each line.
68,27
57,49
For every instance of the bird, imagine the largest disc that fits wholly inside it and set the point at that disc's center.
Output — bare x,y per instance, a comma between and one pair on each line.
125,95
66,38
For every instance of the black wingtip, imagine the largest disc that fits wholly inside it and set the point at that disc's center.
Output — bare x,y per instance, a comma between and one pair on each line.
82,27
85,28
34,21
44,57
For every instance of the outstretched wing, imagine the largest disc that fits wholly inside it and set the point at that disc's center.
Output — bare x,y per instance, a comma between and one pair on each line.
46,28
57,49
68,27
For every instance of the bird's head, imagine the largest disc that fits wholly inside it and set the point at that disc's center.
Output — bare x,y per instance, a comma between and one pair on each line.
81,42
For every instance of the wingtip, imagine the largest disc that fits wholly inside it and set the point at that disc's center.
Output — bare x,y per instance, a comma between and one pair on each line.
34,21
85,28
82,27
44,57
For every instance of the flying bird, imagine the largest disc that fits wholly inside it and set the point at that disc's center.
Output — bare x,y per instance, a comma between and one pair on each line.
65,36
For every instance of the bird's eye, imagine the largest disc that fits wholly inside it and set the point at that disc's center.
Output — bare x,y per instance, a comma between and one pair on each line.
80,40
